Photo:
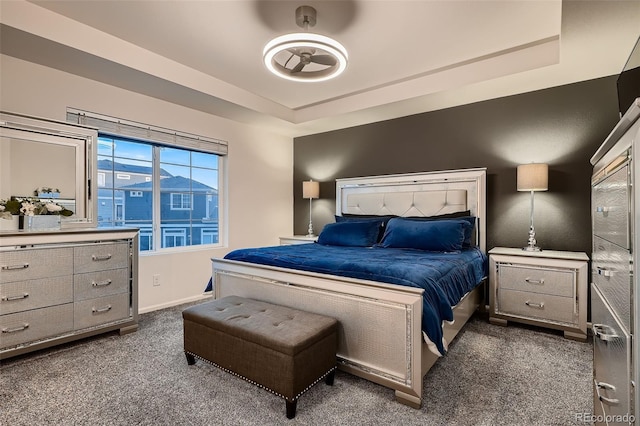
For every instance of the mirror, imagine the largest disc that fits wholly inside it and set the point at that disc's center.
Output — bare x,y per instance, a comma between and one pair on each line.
37,154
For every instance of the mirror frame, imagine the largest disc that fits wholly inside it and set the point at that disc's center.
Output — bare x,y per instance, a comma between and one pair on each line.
83,138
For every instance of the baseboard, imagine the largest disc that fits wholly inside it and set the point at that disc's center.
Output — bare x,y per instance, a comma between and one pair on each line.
203,296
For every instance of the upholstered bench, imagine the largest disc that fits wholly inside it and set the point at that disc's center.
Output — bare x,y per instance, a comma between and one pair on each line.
283,350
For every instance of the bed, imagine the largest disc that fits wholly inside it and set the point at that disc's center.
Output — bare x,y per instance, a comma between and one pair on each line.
381,335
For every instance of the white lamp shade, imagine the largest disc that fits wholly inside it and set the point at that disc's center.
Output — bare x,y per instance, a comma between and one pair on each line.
310,189
533,177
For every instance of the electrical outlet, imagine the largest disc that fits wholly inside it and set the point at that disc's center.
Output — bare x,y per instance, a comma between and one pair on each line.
156,280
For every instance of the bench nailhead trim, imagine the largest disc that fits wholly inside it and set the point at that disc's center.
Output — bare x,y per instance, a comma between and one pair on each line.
258,384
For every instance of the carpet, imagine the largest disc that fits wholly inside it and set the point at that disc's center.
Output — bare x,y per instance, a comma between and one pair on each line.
492,375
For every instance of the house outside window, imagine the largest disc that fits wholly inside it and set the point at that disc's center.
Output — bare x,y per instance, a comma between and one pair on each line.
170,194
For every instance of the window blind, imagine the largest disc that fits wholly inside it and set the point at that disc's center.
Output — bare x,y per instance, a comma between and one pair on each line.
131,129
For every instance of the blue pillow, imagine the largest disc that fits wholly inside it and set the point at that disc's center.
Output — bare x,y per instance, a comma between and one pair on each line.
350,234
468,235
381,220
433,235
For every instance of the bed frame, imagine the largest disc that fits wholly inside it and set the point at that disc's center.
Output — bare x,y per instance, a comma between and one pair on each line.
380,336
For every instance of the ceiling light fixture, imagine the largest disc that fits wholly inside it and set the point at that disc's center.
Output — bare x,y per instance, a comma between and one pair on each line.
305,56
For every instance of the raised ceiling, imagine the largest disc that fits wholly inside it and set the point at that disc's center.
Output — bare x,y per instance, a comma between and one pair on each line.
406,57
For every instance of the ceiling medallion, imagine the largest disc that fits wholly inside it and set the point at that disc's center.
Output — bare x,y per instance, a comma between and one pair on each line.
305,56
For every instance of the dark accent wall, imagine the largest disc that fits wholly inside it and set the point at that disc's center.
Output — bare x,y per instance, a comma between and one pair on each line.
562,126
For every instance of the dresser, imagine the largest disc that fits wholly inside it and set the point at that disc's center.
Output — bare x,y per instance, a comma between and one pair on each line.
546,288
614,287
60,286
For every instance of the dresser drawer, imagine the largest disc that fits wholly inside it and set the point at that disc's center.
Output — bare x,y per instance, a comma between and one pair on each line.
37,324
611,272
559,282
98,257
102,283
25,295
93,312
612,359
611,208
29,264
540,306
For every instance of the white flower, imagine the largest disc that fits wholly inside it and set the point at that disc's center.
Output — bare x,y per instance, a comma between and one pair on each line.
52,207
28,208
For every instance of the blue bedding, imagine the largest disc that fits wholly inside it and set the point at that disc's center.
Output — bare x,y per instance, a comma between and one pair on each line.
445,277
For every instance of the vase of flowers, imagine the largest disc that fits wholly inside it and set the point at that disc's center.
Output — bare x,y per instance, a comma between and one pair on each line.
33,213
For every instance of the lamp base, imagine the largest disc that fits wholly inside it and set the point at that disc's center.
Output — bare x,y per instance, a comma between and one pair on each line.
532,240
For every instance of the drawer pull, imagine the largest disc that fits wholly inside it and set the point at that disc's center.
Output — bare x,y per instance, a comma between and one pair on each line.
101,310
530,281
604,399
101,283
604,271
16,329
609,401
604,332
97,258
13,267
19,297
603,209
606,386
534,305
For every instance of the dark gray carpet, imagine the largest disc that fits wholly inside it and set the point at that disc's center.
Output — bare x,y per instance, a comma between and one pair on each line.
492,375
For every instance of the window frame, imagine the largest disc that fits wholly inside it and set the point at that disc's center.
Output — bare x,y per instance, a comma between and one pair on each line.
115,127
156,232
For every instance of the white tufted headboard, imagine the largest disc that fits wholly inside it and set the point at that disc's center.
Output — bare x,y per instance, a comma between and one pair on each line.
417,194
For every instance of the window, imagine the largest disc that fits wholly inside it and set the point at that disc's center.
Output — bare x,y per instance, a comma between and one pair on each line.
208,236
180,201
181,182
164,182
173,237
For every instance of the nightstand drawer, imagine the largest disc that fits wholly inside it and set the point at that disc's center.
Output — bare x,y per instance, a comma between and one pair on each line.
542,306
533,279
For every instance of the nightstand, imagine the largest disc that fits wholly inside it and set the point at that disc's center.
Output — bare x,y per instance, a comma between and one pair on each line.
546,288
297,239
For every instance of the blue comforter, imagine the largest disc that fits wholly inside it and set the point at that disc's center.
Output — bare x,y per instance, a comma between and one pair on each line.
445,277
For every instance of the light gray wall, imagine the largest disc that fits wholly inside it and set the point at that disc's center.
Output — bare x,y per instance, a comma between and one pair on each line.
561,126
258,169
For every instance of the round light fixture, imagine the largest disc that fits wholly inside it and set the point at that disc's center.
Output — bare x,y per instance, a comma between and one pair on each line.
305,56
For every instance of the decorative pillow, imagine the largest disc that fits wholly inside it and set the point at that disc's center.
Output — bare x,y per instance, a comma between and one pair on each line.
431,235
351,234
468,236
382,221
